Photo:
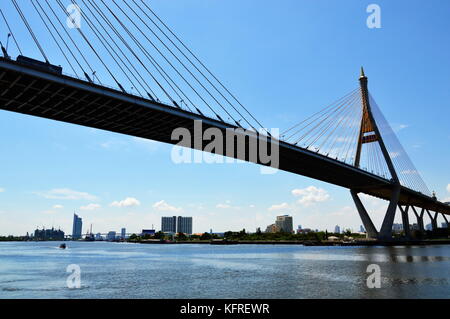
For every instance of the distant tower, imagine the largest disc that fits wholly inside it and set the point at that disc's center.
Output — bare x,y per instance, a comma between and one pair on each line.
77,227
169,224
337,229
184,225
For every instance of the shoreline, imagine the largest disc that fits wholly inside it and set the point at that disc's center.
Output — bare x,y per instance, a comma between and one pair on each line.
311,243
362,243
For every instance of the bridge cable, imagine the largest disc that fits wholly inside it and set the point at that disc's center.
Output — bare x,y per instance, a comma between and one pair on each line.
175,69
10,31
340,126
349,134
332,121
57,43
341,130
309,121
351,146
401,159
109,48
324,117
104,18
158,68
201,63
185,67
74,43
321,127
61,37
90,45
30,30
408,173
319,112
152,95
132,51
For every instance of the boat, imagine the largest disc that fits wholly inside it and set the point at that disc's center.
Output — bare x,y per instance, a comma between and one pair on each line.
63,246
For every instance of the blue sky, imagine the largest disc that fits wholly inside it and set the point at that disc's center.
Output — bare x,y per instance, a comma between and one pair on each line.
285,60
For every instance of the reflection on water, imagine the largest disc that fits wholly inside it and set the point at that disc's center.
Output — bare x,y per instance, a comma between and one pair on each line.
110,270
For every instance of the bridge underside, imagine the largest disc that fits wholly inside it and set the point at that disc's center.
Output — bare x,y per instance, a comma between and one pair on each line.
57,97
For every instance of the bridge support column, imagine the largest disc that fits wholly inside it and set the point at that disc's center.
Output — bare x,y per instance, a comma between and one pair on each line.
419,218
434,224
386,227
405,220
367,222
446,220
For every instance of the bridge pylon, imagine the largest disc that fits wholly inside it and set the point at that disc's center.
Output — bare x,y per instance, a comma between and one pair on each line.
370,133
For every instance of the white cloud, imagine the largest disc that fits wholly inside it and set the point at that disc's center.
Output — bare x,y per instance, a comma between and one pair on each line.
90,207
311,195
127,202
223,206
66,194
58,206
283,206
448,188
398,127
165,207
227,205
2,190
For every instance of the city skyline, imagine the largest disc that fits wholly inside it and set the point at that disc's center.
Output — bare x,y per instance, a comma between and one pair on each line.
171,224
112,178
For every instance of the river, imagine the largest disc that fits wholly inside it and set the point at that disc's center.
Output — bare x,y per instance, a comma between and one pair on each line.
118,270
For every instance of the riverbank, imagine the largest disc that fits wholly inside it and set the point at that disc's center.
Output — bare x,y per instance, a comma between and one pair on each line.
308,243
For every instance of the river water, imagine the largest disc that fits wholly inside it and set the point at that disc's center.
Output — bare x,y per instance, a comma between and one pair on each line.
117,270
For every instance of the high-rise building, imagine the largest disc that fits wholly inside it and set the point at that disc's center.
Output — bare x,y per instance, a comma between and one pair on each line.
123,233
48,234
169,224
272,229
285,223
111,236
337,229
77,227
176,224
184,225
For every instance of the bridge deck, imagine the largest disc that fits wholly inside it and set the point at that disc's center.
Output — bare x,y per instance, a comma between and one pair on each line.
31,91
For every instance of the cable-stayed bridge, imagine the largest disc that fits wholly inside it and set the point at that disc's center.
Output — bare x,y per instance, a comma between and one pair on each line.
131,74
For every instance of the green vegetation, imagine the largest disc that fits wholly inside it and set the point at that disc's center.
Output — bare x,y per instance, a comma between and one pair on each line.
260,236
14,238
244,236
